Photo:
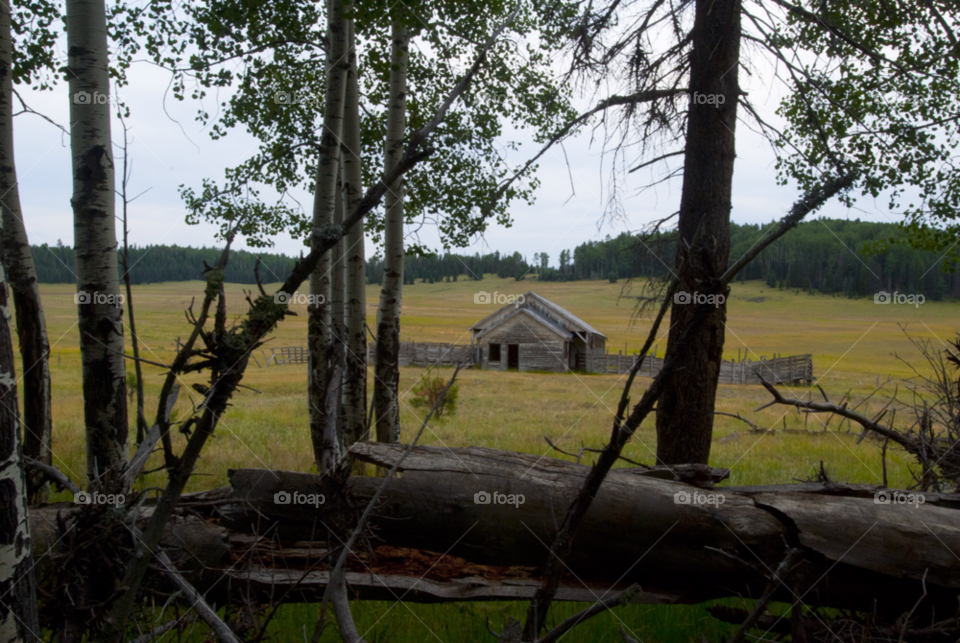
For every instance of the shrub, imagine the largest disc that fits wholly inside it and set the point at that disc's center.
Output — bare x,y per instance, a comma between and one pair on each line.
428,391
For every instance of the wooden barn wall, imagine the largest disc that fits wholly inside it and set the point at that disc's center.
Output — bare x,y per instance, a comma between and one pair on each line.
541,349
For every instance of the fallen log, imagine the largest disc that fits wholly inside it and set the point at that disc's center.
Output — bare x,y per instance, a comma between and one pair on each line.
434,538
670,538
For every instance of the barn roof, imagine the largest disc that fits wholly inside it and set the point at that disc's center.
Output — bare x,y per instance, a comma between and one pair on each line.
544,310
548,323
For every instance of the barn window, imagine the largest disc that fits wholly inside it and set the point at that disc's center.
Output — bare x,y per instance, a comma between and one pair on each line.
494,353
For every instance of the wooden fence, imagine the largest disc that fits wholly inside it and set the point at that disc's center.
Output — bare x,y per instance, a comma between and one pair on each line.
411,353
430,354
777,370
288,355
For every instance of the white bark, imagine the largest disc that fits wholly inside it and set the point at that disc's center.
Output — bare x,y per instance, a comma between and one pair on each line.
95,240
22,280
321,367
387,379
18,602
337,322
355,265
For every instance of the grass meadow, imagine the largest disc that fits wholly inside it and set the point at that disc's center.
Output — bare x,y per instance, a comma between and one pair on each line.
855,344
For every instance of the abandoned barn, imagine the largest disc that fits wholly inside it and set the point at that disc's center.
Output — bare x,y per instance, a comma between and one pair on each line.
534,334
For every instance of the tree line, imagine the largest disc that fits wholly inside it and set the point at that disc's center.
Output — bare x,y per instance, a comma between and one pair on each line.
829,256
156,264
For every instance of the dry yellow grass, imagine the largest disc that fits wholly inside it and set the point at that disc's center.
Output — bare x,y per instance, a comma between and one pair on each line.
853,343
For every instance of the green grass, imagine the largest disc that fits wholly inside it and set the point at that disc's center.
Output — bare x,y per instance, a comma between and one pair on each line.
854,344
383,622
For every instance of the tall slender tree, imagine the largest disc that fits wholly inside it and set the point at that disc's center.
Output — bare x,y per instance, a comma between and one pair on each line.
100,307
387,370
685,410
354,263
323,383
22,280
18,601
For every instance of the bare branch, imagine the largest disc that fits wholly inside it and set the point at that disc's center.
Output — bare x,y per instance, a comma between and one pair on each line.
599,607
793,556
197,602
807,204
53,474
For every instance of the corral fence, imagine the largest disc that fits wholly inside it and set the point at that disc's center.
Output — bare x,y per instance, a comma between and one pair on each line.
793,369
288,355
430,354
411,354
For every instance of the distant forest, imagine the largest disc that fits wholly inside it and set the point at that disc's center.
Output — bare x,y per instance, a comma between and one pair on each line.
154,264
825,255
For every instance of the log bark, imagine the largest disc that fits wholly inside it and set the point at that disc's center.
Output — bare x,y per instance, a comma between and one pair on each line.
858,554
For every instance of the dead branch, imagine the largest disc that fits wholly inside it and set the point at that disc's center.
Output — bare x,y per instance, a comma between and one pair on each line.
599,607
843,411
156,633
809,202
197,602
53,474
793,556
753,426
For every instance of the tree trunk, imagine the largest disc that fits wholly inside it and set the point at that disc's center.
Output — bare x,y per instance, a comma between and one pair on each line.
141,419
338,341
355,266
685,411
387,381
95,241
22,280
18,601
322,366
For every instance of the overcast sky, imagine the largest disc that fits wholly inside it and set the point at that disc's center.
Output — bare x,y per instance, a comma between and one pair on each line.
169,148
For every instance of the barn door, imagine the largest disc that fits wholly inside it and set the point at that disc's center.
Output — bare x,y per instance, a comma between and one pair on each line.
513,356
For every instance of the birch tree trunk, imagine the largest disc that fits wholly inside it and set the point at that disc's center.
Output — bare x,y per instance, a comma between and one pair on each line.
18,601
387,381
685,410
355,265
22,280
337,339
321,383
95,241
